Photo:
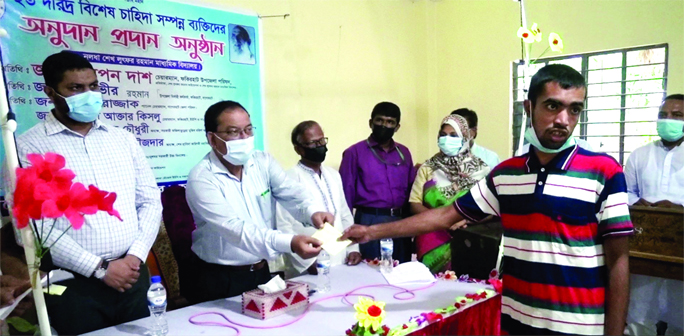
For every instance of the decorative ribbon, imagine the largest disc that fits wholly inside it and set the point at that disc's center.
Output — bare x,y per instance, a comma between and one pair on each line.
234,325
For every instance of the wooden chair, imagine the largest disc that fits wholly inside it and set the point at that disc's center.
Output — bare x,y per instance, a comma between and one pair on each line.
161,262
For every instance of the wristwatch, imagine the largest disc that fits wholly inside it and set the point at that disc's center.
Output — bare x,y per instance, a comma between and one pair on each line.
101,271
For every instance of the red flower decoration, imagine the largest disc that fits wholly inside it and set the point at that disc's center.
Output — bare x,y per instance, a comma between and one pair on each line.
404,326
385,329
493,274
374,311
457,305
25,205
46,190
432,317
104,201
498,285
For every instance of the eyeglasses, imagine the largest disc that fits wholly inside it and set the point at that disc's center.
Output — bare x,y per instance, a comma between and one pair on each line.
315,143
235,133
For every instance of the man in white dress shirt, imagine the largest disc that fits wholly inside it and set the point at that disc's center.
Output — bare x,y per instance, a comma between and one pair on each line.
655,172
106,254
232,194
488,156
655,177
325,184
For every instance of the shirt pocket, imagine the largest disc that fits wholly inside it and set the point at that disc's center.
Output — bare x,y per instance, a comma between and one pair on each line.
576,229
265,203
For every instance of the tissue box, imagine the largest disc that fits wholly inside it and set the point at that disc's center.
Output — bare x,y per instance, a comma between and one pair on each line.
260,305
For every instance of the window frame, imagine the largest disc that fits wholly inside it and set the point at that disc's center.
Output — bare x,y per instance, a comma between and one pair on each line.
517,108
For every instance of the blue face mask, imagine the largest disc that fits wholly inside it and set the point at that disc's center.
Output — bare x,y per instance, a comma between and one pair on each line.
531,137
449,145
670,129
84,107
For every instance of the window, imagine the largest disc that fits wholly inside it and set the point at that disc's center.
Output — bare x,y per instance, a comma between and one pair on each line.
624,91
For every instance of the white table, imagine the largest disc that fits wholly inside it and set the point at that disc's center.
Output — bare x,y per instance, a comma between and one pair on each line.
330,317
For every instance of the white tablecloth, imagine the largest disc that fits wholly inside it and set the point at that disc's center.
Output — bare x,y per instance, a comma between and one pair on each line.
330,317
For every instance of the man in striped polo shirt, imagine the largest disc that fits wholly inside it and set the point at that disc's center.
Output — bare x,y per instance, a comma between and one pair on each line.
565,217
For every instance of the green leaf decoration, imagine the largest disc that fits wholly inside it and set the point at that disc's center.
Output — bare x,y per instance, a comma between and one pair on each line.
21,325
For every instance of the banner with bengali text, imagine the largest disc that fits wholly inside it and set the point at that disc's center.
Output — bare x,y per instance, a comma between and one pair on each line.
160,65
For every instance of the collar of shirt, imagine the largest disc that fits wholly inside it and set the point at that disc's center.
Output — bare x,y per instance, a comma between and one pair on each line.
309,170
373,143
54,126
217,167
660,144
560,162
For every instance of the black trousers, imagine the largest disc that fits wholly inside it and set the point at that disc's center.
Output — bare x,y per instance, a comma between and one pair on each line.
88,304
201,281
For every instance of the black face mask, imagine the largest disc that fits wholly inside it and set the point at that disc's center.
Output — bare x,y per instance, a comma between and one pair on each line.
381,133
316,154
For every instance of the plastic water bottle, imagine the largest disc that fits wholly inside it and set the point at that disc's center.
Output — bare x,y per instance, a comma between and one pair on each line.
156,301
323,269
386,250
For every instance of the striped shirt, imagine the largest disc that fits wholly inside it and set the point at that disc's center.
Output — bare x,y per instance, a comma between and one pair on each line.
112,160
555,218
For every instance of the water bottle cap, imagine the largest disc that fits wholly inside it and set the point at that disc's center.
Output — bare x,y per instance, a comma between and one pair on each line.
156,279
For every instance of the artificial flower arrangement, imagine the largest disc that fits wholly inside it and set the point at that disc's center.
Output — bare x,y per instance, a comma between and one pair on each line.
534,34
370,314
376,262
45,190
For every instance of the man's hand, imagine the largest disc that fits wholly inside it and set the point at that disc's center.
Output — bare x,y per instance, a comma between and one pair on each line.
643,202
320,218
305,246
132,261
353,258
11,288
120,275
666,204
460,225
356,233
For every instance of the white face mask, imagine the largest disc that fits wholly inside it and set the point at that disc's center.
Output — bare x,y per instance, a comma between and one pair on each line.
239,151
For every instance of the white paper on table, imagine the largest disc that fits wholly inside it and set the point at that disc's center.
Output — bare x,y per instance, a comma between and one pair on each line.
55,276
409,272
328,236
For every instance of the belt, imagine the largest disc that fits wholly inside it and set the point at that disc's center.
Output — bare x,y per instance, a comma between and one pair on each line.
247,268
394,212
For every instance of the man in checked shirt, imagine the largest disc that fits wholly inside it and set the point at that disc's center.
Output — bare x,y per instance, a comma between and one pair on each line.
110,281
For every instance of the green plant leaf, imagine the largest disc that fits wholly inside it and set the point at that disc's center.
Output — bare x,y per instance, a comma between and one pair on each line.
21,325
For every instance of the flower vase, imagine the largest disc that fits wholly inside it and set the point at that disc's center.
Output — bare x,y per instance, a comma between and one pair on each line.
34,273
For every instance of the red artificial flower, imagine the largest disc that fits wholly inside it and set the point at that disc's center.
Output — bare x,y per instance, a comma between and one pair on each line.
73,205
498,285
404,326
457,305
431,317
385,330
104,201
493,274
46,190
25,206
374,311
50,169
